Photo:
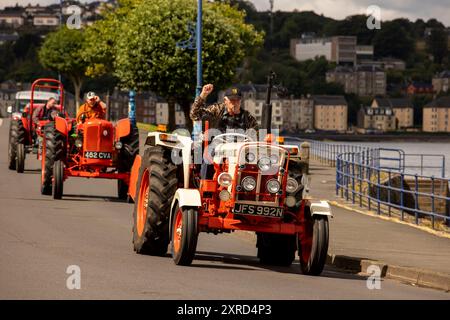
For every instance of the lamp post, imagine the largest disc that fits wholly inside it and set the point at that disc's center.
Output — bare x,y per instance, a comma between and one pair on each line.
199,47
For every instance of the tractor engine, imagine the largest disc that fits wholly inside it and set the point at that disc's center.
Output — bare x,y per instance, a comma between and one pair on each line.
98,143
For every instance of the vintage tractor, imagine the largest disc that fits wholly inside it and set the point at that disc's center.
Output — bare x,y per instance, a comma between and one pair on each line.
255,186
24,134
94,148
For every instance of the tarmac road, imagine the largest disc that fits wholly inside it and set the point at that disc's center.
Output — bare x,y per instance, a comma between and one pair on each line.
41,237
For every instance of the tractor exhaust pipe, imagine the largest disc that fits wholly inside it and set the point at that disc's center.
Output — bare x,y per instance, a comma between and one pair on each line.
267,113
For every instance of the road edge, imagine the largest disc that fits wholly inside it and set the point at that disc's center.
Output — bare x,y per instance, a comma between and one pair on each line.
411,275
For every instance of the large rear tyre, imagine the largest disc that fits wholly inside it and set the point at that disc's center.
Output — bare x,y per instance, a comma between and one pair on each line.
52,150
58,179
313,244
129,151
122,190
156,187
184,235
20,158
276,249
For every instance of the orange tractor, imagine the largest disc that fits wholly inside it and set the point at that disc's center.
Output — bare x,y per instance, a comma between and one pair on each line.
94,148
255,186
24,135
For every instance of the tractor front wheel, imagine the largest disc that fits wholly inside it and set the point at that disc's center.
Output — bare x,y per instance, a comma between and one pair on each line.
313,244
58,179
12,146
184,235
20,157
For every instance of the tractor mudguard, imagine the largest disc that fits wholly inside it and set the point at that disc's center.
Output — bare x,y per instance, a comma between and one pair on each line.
134,177
61,126
320,207
184,198
123,128
25,122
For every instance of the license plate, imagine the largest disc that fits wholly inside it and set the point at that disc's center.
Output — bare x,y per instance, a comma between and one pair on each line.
97,155
257,210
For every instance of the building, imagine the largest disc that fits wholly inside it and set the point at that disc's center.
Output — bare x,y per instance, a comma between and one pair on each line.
363,80
8,91
162,113
330,113
402,108
13,19
364,52
436,115
45,20
339,49
441,82
118,104
418,88
376,119
385,63
298,114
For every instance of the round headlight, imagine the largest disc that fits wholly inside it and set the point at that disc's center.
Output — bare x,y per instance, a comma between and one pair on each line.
78,143
290,201
224,179
250,157
274,159
248,183
292,185
264,164
224,195
273,186
118,145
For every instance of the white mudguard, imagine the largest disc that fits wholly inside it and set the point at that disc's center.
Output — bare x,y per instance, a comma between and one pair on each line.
184,198
320,207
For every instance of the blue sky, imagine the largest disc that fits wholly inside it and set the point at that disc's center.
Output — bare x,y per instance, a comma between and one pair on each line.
339,9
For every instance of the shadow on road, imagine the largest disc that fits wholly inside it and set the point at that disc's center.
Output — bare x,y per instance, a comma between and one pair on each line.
85,197
253,264
32,171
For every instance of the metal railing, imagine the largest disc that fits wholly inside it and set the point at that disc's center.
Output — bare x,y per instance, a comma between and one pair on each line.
360,178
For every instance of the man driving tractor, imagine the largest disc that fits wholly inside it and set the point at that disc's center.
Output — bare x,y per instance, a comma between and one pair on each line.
45,112
94,108
225,115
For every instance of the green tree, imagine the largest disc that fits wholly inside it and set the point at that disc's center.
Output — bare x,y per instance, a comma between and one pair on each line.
437,44
147,57
393,40
62,52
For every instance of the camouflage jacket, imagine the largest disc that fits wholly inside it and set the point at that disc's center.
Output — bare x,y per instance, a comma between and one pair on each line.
219,118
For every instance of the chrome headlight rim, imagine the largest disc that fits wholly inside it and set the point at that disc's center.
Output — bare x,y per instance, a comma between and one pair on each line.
250,157
118,145
248,178
293,183
262,166
274,159
273,181
222,179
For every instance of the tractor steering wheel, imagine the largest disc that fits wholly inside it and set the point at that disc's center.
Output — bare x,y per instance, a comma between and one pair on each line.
222,137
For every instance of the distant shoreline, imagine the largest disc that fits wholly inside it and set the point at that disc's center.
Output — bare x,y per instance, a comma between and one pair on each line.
403,137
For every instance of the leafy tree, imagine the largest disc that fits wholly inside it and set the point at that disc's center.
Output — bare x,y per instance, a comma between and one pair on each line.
147,56
62,52
438,44
393,40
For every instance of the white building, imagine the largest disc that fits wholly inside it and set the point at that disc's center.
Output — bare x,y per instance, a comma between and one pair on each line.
45,20
162,113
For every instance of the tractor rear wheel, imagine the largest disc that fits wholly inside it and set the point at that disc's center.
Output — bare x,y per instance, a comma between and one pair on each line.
276,249
52,150
12,145
20,157
129,151
58,179
184,235
313,244
156,187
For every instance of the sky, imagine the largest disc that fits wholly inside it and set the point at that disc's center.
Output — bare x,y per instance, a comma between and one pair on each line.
338,9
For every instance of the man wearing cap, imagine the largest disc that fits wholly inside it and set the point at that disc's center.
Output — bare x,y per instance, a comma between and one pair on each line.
224,116
94,108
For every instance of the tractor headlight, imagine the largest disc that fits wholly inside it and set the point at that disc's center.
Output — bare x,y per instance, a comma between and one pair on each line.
250,157
78,143
224,195
118,145
274,159
273,186
290,201
248,183
224,179
264,164
292,185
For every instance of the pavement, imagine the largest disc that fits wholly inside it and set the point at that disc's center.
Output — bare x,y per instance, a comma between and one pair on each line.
40,238
362,237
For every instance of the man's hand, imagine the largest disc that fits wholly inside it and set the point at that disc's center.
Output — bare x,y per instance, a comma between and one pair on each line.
206,90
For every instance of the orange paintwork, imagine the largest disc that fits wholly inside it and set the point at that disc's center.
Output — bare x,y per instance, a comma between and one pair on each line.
134,176
61,125
122,128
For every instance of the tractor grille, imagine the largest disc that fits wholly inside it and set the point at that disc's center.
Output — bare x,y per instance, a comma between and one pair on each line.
247,168
98,136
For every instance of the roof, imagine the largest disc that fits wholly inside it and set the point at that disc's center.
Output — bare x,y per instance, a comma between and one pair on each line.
442,102
421,85
368,68
444,74
394,102
329,100
38,95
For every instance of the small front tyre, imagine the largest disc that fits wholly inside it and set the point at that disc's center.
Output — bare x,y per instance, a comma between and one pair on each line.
58,179
184,235
20,158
